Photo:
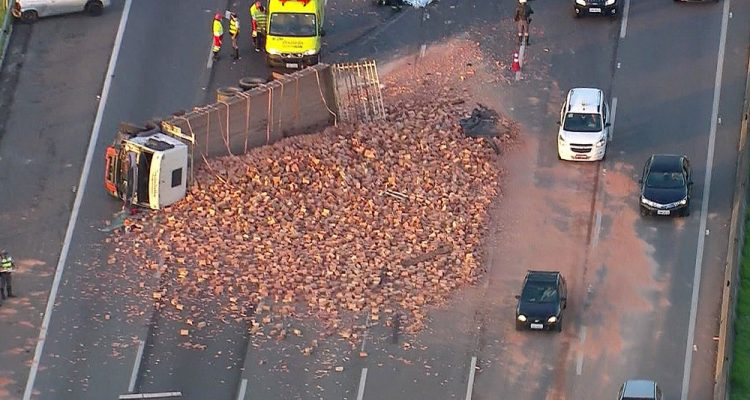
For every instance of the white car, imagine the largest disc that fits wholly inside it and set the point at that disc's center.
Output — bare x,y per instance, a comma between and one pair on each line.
584,126
31,10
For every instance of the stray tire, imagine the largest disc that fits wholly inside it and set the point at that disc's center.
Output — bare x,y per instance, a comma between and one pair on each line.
226,93
94,8
249,82
29,16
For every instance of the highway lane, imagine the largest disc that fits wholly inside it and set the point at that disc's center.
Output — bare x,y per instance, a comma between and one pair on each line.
51,78
97,323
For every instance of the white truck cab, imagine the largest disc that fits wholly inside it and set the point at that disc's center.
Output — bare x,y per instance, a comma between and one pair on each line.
148,170
584,126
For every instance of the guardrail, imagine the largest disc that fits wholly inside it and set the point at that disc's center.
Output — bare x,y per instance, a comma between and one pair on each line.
734,256
6,28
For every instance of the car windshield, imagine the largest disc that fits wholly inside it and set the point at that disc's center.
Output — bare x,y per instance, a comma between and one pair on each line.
539,293
577,122
292,24
665,180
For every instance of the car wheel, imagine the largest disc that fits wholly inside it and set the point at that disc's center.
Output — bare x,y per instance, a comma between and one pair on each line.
686,211
94,7
29,16
576,13
558,327
644,212
519,327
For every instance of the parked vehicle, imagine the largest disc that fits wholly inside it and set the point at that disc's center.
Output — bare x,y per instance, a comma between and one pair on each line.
640,389
294,33
584,126
666,184
542,301
31,10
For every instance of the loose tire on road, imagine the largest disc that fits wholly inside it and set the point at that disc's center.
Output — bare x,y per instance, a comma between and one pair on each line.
226,93
251,82
94,8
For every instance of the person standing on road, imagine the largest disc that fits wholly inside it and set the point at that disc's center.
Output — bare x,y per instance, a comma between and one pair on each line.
6,267
234,32
523,20
258,24
218,30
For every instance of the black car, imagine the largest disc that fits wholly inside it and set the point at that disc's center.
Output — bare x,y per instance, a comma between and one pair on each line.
542,300
596,7
666,185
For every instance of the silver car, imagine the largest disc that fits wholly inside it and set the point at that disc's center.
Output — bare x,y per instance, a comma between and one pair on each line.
31,10
639,389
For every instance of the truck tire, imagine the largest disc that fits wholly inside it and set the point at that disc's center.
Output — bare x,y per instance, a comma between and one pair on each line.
251,82
226,93
94,8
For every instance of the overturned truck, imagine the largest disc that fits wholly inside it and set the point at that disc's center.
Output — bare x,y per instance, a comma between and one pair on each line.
152,166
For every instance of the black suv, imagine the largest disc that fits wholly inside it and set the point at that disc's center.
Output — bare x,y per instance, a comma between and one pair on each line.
666,185
596,7
542,301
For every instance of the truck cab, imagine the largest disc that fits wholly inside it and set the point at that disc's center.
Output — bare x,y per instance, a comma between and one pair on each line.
294,35
146,169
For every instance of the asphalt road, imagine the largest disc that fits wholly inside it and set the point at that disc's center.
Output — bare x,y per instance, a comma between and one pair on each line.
631,279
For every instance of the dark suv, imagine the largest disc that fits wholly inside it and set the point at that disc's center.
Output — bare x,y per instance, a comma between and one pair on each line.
541,302
596,7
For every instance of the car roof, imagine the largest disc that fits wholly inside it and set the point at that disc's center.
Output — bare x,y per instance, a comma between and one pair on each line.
640,388
666,163
584,100
543,276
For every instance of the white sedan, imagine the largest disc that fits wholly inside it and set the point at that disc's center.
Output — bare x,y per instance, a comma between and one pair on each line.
31,10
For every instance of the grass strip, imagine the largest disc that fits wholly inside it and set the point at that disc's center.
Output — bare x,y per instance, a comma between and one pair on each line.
740,374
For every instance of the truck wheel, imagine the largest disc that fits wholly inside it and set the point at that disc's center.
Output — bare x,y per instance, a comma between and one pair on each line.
251,82
94,7
29,16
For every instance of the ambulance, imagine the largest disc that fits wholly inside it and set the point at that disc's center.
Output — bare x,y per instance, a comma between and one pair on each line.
294,34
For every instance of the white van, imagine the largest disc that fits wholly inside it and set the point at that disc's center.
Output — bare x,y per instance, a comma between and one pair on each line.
584,126
31,10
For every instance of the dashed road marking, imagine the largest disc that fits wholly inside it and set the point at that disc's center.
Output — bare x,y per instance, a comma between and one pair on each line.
624,25
243,389
472,373
136,366
362,379
612,116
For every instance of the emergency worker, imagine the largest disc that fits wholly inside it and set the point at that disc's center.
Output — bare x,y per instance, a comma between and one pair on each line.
258,24
218,31
234,31
523,19
6,267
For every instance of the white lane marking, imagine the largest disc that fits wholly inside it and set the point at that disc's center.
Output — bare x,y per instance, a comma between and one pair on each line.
243,389
612,120
597,228
76,205
422,50
704,205
472,372
155,396
579,356
624,25
136,366
364,334
521,53
362,379
210,62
